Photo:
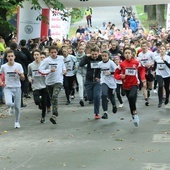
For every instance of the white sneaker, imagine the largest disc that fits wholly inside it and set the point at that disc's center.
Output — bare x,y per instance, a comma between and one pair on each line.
11,110
17,125
120,105
155,91
136,120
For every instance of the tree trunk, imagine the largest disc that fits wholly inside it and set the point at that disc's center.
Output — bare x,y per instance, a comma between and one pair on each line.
151,11
160,15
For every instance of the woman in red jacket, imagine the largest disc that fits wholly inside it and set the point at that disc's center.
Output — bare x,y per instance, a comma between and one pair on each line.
128,73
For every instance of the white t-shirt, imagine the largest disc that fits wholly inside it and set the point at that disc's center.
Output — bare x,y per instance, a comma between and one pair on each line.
58,64
146,58
38,79
69,62
105,78
162,69
12,79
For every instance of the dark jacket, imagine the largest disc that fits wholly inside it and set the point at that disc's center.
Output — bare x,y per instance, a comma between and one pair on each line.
115,53
91,73
28,54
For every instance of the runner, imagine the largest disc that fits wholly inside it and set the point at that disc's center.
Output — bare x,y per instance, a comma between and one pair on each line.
38,84
13,73
162,67
53,67
146,58
108,83
128,73
92,84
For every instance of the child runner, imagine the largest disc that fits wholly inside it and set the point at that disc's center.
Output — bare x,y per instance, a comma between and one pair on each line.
13,72
81,73
92,84
128,73
38,84
108,83
162,66
119,90
53,67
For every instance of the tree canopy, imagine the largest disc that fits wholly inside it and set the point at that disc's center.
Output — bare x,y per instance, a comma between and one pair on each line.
7,8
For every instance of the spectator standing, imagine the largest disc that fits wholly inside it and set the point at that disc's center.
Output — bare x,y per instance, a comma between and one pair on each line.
88,14
123,13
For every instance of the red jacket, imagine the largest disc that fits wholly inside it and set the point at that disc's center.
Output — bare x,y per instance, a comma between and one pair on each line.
130,69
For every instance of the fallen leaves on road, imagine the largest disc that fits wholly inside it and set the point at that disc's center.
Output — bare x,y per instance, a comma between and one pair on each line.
3,116
131,159
119,148
118,139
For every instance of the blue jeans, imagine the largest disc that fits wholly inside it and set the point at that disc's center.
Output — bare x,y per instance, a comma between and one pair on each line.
93,90
107,93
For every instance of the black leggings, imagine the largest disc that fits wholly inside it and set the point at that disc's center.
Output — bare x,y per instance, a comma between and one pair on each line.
132,97
163,82
68,86
120,91
40,99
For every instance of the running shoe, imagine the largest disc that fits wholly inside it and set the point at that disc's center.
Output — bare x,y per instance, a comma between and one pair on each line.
97,116
105,116
147,103
166,101
136,120
120,105
68,102
42,120
53,119
114,109
17,125
159,104
81,102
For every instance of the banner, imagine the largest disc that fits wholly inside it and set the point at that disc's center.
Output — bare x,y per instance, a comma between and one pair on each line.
168,18
59,29
27,25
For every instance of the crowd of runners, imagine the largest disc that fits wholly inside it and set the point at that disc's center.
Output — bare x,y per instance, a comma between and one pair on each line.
100,65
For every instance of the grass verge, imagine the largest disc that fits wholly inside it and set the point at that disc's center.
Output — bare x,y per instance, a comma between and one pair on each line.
142,16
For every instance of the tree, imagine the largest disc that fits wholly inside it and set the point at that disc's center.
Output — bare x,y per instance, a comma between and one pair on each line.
160,18
151,12
7,7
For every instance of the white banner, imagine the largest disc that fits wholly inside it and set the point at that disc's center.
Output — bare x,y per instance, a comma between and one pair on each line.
59,29
27,25
168,18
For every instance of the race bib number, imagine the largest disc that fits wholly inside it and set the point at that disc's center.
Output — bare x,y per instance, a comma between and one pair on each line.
35,73
52,66
161,66
130,71
94,65
11,75
144,61
68,65
106,71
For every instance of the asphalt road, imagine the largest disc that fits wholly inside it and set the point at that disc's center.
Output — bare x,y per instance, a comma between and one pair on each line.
79,141
103,14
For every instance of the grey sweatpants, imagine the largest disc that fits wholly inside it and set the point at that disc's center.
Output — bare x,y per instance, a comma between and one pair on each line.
13,99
